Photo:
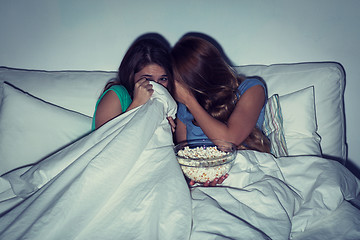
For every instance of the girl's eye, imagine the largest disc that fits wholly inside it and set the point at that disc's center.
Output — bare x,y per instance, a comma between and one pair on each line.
163,79
149,79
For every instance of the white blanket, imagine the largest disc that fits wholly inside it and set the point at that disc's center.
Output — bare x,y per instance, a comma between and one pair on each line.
122,181
269,198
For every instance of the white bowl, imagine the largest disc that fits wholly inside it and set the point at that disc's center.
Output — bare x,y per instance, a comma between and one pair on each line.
204,160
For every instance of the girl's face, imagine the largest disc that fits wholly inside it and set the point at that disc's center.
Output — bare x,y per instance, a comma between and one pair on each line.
153,72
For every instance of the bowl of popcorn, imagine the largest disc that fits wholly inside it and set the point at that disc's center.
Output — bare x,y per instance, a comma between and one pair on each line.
204,160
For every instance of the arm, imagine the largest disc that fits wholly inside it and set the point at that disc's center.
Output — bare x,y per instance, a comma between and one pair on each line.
180,131
241,121
110,106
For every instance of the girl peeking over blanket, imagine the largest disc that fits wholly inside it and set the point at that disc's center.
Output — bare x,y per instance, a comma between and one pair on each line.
147,59
214,101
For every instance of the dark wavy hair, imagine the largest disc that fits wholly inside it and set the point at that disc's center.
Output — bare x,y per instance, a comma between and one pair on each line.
141,53
199,65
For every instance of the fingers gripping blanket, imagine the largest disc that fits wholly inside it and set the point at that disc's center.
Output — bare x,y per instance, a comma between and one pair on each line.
117,182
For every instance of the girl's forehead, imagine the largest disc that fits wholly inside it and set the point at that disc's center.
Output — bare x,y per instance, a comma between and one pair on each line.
152,69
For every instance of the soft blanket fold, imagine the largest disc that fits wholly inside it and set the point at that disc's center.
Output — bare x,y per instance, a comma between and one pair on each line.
272,198
117,182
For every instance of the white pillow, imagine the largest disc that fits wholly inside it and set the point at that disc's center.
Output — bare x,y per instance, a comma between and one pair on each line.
328,79
299,122
31,129
73,90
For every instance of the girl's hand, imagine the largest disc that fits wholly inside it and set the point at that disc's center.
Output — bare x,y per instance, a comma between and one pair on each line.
213,183
172,123
142,91
182,93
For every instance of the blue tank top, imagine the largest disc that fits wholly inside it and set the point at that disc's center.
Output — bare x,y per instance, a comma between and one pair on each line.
195,132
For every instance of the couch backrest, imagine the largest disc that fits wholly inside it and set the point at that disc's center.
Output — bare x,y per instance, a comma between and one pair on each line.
79,91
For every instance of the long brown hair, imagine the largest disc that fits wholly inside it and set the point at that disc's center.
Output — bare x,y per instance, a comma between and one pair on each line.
199,65
141,53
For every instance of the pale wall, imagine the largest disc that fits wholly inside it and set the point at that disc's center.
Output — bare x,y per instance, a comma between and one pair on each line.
93,35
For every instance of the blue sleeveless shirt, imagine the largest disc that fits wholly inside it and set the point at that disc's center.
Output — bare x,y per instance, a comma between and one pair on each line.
195,132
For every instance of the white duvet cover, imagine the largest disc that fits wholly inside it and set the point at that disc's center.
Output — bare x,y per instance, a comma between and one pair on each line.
122,181
269,198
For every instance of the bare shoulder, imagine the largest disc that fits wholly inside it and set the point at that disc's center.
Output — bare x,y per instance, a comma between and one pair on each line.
248,107
254,96
109,99
108,108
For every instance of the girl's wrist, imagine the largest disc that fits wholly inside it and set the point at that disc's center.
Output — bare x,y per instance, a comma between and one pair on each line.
133,104
189,101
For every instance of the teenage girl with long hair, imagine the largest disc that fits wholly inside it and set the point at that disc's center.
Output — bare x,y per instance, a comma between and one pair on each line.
147,59
214,101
